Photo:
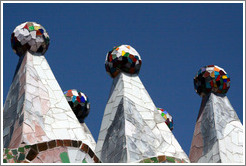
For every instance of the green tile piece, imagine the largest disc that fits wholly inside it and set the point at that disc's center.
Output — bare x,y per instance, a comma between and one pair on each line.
6,151
64,157
84,161
113,56
27,146
14,151
170,159
154,159
21,156
9,156
147,161
21,149
127,54
31,28
4,160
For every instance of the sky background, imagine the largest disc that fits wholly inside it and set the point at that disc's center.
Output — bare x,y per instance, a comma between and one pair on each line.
173,40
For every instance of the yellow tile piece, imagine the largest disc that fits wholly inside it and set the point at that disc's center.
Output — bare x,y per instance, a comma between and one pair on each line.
123,53
36,27
165,116
224,77
212,74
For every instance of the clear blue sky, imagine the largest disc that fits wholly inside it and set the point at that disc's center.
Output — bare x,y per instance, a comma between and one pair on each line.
174,41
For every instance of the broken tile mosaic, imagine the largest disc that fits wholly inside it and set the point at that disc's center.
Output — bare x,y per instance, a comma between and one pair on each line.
30,36
79,103
43,152
132,129
216,134
122,58
162,159
168,118
211,78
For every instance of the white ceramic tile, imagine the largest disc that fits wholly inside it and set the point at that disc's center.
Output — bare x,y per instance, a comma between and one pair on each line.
108,108
40,72
237,124
236,158
50,75
171,149
60,124
53,85
147,115
59,95
61,133
89,159
51,135
49,120
117,101
51,93
216,158
234,137
151,124
73,124
72,153
80,156
237,149
31,89
48,127
37,105
71,115
167,137
55,111
79,134
176,145
240,138
63,105
223,157
37,60
228,129
105,122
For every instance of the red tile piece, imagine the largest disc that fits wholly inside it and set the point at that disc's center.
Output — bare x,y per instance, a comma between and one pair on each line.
67,142
69,93
59,142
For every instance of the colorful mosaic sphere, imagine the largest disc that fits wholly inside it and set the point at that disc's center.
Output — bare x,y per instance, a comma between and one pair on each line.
30,36
79,103
122,58
168,118
211,78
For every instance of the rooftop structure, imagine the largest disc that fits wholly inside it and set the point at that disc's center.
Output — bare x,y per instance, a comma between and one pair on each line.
37,116
218,135
132,129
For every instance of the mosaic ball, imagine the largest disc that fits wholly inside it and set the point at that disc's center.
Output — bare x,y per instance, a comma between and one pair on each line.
211,78
168,118
31,37
123,58
79,103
